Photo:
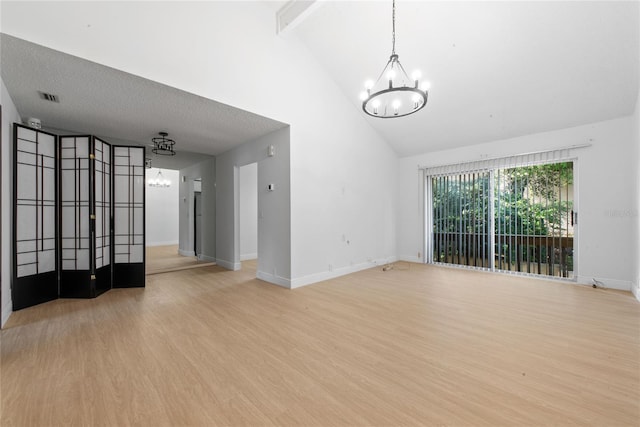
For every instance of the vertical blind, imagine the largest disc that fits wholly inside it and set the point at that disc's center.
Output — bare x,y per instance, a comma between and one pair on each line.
511,214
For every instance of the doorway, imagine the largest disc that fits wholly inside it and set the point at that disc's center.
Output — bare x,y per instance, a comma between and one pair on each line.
248,209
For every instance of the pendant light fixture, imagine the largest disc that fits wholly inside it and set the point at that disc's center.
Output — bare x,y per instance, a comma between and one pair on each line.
163,145
394,94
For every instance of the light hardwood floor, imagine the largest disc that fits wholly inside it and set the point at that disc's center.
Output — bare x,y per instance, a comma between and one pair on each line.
423,346
163,259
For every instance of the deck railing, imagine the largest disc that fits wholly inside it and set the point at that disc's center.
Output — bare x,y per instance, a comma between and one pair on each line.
544,255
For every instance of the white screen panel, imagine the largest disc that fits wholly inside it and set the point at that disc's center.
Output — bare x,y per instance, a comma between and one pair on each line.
26,182
138,194
27,246
47,261
27,258
26,270
26,158
121,182
48,223
46,145
25,221
98,180
82,259
137,254
137,157
82,147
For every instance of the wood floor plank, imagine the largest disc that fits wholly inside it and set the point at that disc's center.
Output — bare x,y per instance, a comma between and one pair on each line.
422,345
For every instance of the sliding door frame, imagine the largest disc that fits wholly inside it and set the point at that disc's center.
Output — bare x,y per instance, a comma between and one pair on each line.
426,192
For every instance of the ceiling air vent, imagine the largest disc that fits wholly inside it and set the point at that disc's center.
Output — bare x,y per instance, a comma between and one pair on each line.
49,97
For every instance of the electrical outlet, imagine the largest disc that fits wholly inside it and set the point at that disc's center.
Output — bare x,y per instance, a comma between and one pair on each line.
419,254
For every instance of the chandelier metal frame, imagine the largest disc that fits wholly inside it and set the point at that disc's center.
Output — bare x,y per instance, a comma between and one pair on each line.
162,145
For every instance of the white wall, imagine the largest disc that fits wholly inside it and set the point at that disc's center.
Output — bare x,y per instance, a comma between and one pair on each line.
248,207
342,174
206,172
9,116
274,220
161,224
605,186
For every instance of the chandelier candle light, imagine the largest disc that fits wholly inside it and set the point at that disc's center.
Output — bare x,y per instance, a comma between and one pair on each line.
394,94
163,145
159,181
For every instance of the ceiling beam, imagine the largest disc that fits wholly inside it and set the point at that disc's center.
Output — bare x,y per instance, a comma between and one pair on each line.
292,13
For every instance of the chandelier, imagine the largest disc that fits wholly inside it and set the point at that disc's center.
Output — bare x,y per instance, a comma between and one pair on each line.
159,181
163,145
394,94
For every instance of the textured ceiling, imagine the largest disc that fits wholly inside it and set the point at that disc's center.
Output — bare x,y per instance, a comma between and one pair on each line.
122,107
497,69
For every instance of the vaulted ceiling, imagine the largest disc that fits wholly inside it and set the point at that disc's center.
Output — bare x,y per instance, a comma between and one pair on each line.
497,70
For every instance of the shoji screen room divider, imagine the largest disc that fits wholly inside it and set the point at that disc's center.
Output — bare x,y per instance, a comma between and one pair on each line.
78,218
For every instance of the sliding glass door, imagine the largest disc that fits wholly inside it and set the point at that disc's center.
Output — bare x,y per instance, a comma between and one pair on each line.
534,219
516,219
461,219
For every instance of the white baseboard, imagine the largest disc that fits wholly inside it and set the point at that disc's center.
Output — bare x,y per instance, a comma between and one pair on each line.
635,289
161,243
248,257
332,274
410,258
276,280
186,253
229,265
206,258
620,285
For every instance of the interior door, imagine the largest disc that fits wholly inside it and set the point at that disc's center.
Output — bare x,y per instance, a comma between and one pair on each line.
35,217
128,216
197,208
